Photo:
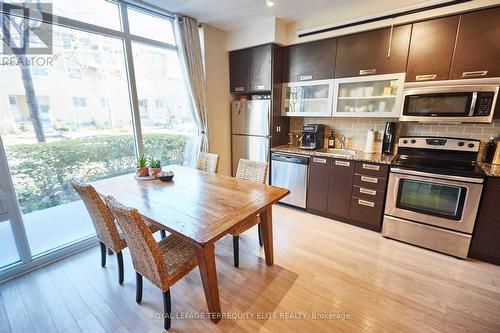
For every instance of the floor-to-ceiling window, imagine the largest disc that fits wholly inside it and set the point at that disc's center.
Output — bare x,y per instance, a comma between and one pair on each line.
113,90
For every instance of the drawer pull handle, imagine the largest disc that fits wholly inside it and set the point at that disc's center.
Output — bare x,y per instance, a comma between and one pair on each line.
474,74
366,203
305,77
371,167
319,160
343,163
239,89
367,191
425,77
369,179
367,71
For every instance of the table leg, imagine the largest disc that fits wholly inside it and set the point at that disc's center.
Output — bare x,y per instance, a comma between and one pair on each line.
206,262
266,225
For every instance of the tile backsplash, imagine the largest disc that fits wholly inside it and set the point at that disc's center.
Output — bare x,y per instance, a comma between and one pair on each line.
355,129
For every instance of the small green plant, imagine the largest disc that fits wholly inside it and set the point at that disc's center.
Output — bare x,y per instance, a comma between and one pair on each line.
154,163
141,162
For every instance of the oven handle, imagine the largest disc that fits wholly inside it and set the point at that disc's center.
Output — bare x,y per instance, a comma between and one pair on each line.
427,174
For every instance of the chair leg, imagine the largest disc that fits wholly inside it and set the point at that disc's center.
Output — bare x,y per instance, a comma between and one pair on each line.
103,254
236,250
138,287
261,243
167,309
119,257
163,234
110,252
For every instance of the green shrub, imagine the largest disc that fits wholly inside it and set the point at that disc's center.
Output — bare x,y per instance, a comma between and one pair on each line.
40,171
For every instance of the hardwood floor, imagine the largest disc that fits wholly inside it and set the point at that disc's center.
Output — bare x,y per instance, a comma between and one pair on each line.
321,266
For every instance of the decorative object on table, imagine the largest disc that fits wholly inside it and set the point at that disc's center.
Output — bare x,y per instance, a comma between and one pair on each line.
154,167
370,141
142,167
166,176
489,151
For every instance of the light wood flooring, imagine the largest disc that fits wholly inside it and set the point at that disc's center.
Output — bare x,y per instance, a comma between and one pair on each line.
321,266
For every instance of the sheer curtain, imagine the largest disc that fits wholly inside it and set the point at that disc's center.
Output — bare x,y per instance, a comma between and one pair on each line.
190,55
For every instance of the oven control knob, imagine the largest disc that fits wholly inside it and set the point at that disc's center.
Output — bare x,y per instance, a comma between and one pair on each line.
413,141
405,141
470,145
460,144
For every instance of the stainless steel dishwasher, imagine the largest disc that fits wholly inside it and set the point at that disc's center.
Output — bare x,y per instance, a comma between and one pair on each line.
290,171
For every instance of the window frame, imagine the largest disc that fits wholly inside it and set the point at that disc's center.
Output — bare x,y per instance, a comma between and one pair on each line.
27,260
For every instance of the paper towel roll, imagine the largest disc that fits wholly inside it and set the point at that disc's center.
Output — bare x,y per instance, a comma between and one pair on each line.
370,141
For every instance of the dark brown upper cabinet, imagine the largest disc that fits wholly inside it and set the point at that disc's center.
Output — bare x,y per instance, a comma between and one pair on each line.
477,53
309,61
251,69
239,64
373,52
431,49
260,68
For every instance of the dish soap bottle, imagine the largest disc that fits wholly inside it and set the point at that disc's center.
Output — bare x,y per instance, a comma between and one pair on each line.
331,141
489,151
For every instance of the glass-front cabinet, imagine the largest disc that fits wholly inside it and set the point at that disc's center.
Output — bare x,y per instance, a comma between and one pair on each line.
311,98
368,96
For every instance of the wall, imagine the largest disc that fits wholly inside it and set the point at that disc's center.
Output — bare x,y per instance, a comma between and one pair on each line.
218,96
355,129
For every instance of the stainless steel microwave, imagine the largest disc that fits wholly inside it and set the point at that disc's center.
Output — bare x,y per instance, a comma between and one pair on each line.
465,101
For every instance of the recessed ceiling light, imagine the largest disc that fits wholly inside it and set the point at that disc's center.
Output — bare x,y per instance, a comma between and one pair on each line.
270,3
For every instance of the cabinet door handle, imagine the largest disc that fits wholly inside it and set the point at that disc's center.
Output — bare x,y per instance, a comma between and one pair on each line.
319,160
366,203
305,77
474,74
371,167
367,71
343,163
369,179
367,191
239,89
260,87
426,77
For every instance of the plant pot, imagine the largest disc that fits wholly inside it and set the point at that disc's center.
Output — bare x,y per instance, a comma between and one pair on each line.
142,172
153,172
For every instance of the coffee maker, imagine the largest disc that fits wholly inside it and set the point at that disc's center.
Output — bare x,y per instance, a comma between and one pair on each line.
389,138
312,136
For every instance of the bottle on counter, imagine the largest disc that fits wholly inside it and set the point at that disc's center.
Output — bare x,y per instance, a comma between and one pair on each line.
489,151
331,141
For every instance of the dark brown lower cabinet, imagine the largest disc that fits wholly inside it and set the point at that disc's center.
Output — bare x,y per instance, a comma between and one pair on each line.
339,194
317,190
486,238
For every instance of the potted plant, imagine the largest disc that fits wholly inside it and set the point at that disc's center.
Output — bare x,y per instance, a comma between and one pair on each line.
142,167
154,167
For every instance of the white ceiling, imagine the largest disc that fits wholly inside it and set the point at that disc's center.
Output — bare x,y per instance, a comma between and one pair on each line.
231,14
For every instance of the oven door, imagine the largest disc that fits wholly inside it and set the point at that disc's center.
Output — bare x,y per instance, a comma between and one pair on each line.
446,203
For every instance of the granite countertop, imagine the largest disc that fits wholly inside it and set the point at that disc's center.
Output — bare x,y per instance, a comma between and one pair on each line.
491,170
359,156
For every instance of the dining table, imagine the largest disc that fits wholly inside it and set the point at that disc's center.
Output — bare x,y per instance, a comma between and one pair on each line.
201,208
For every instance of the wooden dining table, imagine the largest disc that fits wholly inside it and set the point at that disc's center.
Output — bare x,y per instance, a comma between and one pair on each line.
200,207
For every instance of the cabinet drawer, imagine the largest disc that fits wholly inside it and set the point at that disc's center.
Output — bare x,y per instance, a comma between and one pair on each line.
367,212
372,169
369,182
365,193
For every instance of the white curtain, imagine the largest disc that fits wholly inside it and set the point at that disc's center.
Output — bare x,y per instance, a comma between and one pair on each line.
189,47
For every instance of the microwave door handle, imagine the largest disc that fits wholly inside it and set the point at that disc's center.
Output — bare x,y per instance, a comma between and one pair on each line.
473,104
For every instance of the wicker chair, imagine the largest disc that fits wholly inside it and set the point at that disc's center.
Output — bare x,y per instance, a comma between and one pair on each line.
109,235
254,171
163,263
207,162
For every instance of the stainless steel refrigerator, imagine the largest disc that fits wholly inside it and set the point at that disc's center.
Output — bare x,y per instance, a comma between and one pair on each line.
250,129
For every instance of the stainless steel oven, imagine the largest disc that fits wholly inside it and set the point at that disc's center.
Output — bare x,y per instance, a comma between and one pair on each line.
450,101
